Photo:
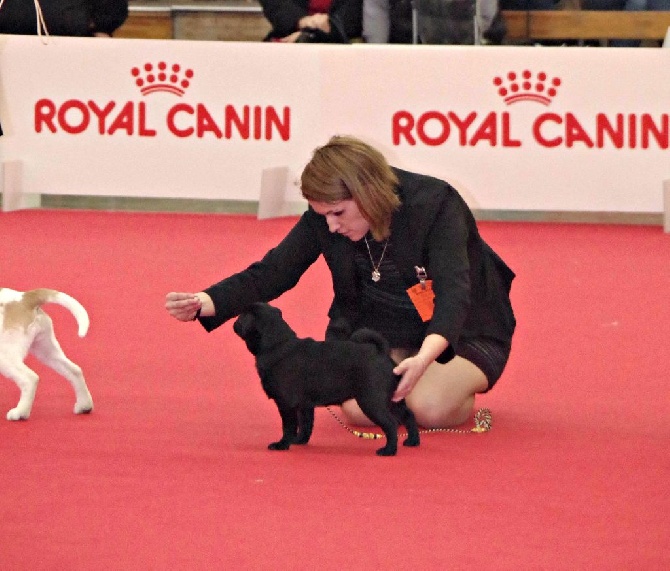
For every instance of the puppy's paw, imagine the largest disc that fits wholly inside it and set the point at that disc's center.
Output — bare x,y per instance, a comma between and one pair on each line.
386,451
16,414
412,440
281,445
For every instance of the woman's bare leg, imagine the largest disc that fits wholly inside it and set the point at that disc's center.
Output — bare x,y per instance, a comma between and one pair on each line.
443,397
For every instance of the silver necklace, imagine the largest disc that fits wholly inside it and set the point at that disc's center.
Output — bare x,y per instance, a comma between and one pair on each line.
376,275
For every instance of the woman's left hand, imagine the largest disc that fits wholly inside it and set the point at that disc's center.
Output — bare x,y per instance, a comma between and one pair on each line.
291,38
316,21
411,369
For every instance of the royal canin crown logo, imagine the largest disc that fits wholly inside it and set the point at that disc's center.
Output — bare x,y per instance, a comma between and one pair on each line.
161,77
526,86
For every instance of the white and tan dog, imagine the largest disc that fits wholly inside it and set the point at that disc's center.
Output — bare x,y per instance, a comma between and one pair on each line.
26,328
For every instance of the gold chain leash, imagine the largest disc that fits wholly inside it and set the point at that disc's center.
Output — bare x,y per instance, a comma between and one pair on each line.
482,420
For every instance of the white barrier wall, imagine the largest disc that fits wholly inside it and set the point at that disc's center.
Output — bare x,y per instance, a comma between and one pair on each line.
566,129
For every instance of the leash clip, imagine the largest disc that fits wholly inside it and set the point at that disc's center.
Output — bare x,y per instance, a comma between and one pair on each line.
421,276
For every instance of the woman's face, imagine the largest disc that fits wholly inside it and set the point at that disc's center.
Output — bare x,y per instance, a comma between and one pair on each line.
343,217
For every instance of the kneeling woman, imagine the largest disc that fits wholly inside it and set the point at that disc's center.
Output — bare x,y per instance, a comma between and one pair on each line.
406,260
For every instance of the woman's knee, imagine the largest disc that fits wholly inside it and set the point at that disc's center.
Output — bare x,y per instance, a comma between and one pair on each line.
433,413
445,395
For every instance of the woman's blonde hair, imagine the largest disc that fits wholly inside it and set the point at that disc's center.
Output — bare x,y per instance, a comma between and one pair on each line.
347,168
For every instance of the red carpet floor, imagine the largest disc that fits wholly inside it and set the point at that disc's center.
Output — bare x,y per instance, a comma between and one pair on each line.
171,471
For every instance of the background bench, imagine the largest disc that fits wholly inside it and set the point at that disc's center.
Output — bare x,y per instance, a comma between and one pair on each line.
242,20
224,20
574,24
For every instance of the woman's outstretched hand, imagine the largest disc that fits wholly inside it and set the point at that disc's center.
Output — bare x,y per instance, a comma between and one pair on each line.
185,306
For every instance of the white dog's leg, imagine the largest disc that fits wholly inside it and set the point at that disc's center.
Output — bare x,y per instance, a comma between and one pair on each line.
47,349
26,379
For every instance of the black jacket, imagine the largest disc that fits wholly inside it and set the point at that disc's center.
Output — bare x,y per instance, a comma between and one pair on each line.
433,228
63,17
284,16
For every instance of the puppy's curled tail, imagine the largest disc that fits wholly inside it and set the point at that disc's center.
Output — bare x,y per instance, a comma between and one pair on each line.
365,335
36,297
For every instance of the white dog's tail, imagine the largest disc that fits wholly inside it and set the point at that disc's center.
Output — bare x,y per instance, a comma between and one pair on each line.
36,297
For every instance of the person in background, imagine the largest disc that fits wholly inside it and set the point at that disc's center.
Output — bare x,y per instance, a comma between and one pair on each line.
62,17
334,21
377,22
432,22
406,260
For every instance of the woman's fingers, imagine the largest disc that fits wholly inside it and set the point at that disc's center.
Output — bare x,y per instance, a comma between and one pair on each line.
182,306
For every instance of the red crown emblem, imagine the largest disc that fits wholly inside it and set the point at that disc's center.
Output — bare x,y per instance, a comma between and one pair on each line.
526,87
161,77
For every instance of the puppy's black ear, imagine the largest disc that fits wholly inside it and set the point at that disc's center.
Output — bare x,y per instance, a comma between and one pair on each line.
243,324
271,309
259,307
248,309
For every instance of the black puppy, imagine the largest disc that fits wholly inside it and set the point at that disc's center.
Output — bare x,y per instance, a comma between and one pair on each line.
300,374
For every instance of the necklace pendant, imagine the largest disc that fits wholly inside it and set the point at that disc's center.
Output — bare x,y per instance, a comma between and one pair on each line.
376,276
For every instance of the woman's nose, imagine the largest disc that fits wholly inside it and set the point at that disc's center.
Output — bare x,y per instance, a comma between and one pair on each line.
332,223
